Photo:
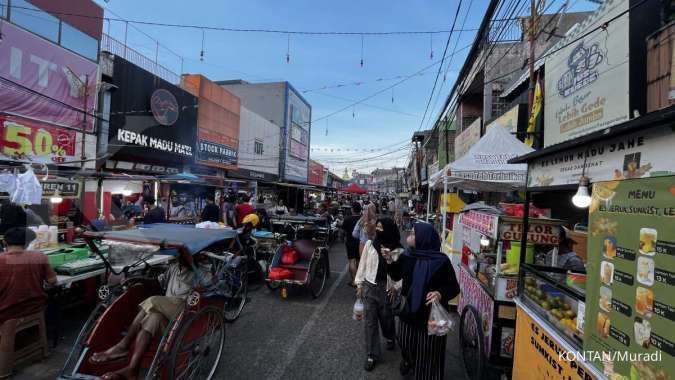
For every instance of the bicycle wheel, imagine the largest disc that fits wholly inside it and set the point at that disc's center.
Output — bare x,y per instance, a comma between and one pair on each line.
196,352
318,276
472,342
238,282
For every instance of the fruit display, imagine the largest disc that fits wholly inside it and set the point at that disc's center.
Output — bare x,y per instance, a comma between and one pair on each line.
509,268
560,309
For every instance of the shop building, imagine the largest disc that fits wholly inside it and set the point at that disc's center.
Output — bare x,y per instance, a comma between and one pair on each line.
48,80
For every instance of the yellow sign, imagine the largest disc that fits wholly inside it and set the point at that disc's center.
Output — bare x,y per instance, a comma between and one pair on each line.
539,356
451,202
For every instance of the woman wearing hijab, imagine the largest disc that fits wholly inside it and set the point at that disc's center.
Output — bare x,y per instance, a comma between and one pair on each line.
427,276
373,286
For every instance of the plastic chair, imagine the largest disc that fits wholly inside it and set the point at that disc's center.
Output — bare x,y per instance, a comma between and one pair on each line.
14,352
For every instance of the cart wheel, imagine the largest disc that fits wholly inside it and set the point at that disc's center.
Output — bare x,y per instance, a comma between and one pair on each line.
472,342
198,346
239,287
318,277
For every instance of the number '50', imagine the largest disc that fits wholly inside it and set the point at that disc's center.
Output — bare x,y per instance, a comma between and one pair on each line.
24,140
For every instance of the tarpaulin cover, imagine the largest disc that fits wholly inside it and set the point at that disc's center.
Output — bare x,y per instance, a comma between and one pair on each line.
192,239
485,166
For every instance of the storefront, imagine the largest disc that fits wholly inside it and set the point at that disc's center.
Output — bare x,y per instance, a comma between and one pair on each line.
152,134
623,304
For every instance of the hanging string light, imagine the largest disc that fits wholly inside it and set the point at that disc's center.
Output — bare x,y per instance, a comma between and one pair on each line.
201,54
431,46
362,50
354,112
392,95
288,48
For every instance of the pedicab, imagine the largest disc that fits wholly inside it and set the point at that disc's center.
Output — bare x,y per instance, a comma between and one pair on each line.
310,267
193,342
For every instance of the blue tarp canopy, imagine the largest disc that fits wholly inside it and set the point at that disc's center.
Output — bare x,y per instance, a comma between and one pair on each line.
190,240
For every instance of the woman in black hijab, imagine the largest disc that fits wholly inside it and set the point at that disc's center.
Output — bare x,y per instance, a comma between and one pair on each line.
427,276
373,286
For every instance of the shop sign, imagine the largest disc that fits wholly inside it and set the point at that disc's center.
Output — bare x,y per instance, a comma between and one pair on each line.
538,233
637,155
152,121
507,342
22,139
631,277
587,81
66,189
50,70
506,288
539,355
216,153
297,133
316,173
252,174
465,139
479,221
509,120
472,293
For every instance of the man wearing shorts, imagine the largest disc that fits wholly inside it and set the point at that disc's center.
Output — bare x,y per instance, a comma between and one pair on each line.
155,313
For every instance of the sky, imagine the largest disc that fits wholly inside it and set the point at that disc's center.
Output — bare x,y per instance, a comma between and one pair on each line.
381,124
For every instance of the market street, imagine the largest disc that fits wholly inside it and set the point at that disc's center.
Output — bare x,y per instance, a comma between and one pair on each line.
296,338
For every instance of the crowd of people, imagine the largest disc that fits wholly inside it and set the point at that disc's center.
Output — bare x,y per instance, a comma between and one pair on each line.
396,282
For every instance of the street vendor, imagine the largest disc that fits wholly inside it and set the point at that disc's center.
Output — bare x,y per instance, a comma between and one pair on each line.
23,275
153,316
568,259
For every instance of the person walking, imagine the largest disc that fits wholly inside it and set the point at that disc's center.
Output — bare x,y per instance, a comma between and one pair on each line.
365,229
351,242
373,287
211,212
427,277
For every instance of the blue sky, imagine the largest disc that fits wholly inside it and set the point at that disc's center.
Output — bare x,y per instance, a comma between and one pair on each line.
317,61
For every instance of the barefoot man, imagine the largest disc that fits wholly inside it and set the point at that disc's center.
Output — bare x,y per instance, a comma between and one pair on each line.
155,313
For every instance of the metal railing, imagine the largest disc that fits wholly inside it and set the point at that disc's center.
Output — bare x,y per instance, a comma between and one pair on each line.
118,48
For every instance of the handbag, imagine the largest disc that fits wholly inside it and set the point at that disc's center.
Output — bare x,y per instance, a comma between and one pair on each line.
399,304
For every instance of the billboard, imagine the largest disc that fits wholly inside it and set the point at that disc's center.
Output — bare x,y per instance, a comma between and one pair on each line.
298,124
151,120
217,122
587,81
465,139
30,66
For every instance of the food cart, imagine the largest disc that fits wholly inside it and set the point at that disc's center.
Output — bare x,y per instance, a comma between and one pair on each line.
488,276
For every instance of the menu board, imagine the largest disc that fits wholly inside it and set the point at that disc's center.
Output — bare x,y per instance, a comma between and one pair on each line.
631,279
472,293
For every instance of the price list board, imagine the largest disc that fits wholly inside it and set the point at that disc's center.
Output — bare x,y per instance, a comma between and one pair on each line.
630,291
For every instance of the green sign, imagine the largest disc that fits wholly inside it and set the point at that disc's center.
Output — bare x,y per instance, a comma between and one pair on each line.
629,328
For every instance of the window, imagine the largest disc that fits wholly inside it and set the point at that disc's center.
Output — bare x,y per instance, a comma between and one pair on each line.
79,42
259,148
3,9
28,16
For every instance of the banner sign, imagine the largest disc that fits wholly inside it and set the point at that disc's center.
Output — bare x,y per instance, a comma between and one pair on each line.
478,221
538,233
587,81
297,134
216,153
465,139
472,293
631,277
22,139
66,189
41,66
641,154
151,120
509,120
539,355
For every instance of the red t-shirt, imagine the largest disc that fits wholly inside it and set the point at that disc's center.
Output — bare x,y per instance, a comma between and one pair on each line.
22,275
242,210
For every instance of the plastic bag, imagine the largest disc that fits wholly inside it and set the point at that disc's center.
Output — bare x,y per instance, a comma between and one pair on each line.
358,310
439,320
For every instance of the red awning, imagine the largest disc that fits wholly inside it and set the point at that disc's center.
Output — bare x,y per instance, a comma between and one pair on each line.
354,188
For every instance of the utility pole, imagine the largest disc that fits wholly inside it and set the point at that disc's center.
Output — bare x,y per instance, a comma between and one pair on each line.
531,38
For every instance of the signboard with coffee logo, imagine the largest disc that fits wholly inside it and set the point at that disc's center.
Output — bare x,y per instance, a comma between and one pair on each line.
587,80
151,120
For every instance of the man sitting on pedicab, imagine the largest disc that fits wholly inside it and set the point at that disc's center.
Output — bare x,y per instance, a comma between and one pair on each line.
154,314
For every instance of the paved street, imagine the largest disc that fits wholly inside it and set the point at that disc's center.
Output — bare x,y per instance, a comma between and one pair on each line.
296,338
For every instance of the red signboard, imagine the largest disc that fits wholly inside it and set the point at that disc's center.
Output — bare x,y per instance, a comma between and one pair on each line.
44,81
316,173
26,140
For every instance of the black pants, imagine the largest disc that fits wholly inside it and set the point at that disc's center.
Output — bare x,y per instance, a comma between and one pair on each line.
426,353
377,315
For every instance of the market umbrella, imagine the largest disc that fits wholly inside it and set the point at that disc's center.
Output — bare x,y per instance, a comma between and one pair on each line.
354,189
